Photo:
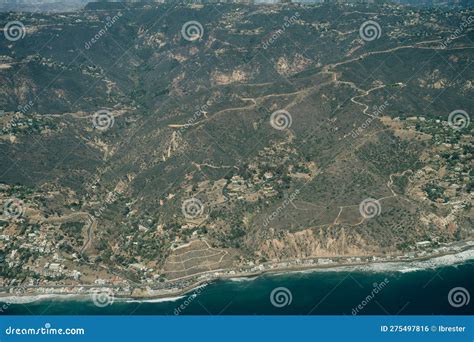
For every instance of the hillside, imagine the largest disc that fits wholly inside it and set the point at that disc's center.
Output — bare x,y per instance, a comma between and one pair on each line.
145,142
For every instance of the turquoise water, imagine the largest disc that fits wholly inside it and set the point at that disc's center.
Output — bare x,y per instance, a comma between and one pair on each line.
316,293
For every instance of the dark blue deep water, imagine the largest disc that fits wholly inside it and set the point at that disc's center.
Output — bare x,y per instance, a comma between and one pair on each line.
317,293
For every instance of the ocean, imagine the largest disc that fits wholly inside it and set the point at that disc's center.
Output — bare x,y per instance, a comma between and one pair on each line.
444,290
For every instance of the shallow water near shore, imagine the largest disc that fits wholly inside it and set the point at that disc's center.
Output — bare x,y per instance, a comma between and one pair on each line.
420,291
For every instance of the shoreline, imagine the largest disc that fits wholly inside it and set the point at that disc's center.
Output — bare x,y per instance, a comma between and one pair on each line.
399,266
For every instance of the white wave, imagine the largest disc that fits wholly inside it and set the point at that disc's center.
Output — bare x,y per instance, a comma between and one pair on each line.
410,269
242,279
157,300
36,298
391,266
